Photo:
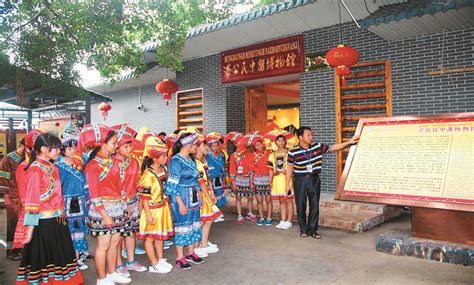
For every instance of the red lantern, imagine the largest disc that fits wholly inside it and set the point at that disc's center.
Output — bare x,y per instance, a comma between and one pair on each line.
342,57
167,87
104,108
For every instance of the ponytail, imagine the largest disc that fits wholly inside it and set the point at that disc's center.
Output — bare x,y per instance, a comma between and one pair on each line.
47,140
147,162
176,148
93,153
31,160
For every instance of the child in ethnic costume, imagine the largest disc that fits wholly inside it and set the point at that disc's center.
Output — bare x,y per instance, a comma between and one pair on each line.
217,161
75,192
261,181
129,175
277,162
107,213
156,224
8,185
182,188
20,176
48,256
209,210
241,169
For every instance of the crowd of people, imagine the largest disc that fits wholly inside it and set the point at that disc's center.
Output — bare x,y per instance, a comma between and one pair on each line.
118,185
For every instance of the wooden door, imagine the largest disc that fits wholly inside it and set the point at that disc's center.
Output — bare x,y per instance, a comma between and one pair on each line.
255,109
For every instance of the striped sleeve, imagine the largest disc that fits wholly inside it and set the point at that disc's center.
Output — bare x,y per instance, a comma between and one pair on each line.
291,158
325,147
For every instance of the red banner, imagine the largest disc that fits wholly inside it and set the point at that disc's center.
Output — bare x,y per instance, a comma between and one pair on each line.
273,58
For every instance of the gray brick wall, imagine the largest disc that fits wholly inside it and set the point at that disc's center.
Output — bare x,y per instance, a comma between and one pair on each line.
414,92
125,109
223,104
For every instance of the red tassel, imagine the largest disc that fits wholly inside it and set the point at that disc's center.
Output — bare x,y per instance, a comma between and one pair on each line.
167,103
343,81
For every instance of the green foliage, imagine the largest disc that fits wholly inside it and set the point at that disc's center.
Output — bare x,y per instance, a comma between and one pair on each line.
51,37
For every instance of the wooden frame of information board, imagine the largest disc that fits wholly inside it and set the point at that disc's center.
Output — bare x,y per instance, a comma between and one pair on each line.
381,198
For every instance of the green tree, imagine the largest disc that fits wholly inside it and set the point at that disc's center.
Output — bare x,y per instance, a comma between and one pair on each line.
50,37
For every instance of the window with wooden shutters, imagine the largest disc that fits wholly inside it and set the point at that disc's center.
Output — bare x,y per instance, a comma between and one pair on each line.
367,94
189,109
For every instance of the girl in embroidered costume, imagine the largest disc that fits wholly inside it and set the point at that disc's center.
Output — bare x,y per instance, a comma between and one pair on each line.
107,213
277,162
8,186
217,162
129,175
209,210
48,256
75,192
20,176
156,224
261,181
182,188
241,169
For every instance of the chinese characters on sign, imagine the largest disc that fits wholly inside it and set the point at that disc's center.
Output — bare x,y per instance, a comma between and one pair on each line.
423,160
278,57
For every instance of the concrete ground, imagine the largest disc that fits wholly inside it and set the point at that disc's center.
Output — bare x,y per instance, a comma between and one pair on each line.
265,255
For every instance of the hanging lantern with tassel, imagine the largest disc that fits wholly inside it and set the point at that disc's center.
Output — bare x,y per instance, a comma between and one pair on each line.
104,107
167,87
342,58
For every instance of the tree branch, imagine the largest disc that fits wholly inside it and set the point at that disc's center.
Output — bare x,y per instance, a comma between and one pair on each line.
21,26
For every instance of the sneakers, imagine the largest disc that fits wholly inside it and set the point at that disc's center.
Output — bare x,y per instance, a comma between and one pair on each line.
200,252
268,222
165,263
139,250
81,265
260,222
168,243
183,264
284,225
287,225
124,253
240,220
84,256
194,258
251,217
117,278
206,250
280,225
135,266
159,268
122,270
210,244
104,281
219,219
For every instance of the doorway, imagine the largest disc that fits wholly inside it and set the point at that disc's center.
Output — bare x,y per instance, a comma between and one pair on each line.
273,106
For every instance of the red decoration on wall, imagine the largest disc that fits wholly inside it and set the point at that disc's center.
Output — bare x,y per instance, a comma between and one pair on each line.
342,57
167,87
104,107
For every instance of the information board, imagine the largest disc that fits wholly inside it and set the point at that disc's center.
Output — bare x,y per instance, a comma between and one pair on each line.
413,161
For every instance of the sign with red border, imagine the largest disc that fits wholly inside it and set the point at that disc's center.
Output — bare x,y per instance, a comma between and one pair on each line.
273,58
423,161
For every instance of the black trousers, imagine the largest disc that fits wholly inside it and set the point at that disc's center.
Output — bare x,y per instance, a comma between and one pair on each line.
307,187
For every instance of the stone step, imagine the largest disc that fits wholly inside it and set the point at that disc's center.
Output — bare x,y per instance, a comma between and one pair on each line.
357,221
327,201
351,216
